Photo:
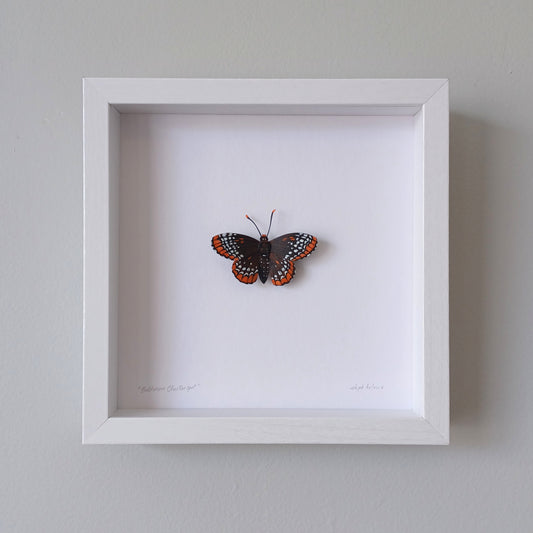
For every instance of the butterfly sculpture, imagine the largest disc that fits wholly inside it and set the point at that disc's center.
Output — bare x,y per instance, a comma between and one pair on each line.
252,258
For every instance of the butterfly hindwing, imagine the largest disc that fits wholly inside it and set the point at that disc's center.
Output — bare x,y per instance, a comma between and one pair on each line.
246,269
282,270
293,246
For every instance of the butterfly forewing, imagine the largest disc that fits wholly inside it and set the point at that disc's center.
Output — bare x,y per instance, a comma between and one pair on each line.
293,246
234,245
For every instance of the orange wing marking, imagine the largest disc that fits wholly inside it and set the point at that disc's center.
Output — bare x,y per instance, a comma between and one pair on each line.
241,277
308,249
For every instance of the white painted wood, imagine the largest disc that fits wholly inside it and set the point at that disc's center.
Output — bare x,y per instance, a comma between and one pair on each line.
286,92
418,267
272,426
113,250
104,99
96,279
269,109
436,301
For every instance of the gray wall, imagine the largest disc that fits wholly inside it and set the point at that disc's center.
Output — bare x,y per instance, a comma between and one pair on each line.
482,482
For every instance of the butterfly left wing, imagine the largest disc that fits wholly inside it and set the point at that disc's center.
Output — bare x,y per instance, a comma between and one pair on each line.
246,269
243,251
293,246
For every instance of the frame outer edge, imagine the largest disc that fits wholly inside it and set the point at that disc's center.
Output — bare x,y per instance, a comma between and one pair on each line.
436,259
99,95
399,92
95,259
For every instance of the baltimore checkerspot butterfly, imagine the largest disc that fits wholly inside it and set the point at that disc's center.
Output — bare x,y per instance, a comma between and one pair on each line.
262,258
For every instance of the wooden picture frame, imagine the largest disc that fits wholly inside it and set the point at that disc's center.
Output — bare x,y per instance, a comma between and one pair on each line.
426,100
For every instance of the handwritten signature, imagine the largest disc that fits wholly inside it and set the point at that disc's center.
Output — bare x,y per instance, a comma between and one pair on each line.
167,388
358,387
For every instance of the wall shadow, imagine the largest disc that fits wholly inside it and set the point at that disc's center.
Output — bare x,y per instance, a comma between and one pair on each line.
468,191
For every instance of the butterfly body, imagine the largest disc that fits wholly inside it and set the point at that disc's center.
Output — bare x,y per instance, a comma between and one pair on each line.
262,258
265,249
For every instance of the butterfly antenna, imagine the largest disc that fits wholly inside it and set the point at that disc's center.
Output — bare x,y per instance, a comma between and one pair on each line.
271,215
251,220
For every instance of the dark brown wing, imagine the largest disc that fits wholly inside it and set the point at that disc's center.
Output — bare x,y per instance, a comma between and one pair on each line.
243,250
234,245
293,246
282,270
246,269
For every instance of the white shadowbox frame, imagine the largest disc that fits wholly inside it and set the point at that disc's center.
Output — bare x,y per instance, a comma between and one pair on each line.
108,103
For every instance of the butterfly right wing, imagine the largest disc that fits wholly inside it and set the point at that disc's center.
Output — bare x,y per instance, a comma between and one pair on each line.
243,250
293,246
287,249
282,270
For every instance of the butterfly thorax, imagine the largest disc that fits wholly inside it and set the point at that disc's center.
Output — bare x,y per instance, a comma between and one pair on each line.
263,243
